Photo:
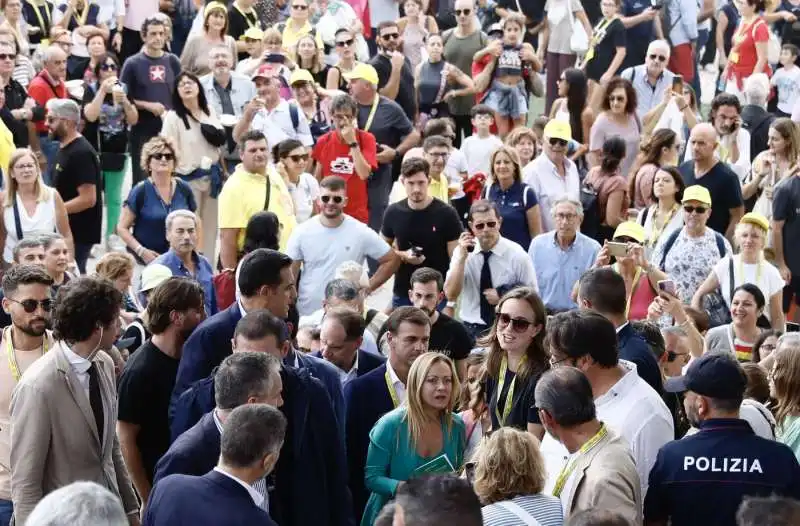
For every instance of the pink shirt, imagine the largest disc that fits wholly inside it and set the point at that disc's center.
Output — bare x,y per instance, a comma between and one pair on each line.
138,11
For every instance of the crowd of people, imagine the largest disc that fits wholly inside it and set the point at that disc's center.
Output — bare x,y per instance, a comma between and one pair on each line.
537,186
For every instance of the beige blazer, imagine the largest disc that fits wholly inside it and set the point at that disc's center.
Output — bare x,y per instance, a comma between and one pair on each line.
607,479
54,439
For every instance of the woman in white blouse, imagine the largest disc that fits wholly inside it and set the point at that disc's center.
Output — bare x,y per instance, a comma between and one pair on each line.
748,266
30,207
291,159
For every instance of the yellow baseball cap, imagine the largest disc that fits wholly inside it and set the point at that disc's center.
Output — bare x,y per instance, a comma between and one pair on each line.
697,193
754,218
632,230
253,33
300,75
558,129
363,72
213,6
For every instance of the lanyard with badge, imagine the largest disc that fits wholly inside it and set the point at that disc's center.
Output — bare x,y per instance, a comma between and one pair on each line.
12,357
598,35
629,295
248,21
392,390
81,20
501,419
372,112
567,470
40,19
658,230
740,271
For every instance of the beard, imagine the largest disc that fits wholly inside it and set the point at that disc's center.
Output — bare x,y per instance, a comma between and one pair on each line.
30,330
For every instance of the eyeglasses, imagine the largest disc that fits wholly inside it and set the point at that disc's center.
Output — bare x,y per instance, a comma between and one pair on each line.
517,324
390,36
30,306
566,217
464,12
328,198
660,58
616,98
303,157
555,141
7,56
488,224
698,209
104,67
300,7
554,362
439,155
25,166
163,156
343,43
188,83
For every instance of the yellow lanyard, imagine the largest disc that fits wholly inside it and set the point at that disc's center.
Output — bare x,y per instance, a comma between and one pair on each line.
392,390
567,470
372,111
740,268
629,295
510,394
12,359
250,24
82,20
596,38
657,231
42,26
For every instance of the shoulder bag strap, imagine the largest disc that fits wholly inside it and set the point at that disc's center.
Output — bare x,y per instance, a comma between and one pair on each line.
17,221
519,512
269,191
730,278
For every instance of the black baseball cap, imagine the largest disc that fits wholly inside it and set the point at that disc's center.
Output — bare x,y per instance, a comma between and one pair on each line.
715,374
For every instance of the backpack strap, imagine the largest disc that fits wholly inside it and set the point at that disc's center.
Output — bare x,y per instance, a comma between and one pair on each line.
720,244
730,277
17,221
294,113
667,247
644,215
446,36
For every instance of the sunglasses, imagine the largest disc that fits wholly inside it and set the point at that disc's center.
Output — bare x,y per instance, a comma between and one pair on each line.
328,198
464,12
303,157
343,43
517,324
660,58
300,7
161,156
390,36
616,98
692,209
30,306
555,141
104,67
7,56
488,224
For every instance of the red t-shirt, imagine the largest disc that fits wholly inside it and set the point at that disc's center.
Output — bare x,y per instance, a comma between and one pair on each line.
744,49
333,156
41,90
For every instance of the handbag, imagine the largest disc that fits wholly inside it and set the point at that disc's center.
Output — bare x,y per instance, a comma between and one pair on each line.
718,311
225,288
578,40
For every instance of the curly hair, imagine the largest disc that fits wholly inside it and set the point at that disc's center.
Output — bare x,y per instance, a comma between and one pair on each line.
83,305
156,145
630,94
508,464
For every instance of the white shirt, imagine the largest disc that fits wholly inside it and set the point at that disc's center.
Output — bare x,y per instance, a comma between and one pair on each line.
256,496
80,366
277,125
510,265
109,11
304,193
763,275
399,386
742,166
632,409
43,220
542,175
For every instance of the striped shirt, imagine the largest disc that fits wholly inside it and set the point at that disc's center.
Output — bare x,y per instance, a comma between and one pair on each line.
544,508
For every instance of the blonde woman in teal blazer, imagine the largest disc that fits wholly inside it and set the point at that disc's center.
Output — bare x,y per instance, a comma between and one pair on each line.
421,436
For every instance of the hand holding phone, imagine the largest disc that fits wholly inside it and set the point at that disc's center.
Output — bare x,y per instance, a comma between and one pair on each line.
668,286
618,250
677,85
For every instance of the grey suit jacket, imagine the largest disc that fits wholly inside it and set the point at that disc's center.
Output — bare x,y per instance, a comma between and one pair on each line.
54,439
606,478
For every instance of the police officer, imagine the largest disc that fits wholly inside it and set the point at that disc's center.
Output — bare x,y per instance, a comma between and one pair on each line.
703,478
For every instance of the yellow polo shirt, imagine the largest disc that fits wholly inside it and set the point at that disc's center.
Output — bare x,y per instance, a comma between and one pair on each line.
437,188
291,35
243,196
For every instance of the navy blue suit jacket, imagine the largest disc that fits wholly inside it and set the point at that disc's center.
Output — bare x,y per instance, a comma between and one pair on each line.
367,361
195,452
367,399
212,499
633,348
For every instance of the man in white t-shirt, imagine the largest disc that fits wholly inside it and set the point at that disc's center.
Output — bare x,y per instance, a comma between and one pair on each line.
330,238
625,403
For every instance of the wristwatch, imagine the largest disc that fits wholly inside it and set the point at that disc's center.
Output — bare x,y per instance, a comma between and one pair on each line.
353,145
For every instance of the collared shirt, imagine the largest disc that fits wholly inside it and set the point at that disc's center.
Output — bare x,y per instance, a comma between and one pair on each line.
648,96
240,89
557,270
683,14
346,376
277,124
542,175
399,386
510,266
80,366
204,275
633,410
258,499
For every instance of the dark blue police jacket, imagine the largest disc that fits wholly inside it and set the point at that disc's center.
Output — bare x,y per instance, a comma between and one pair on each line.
701,479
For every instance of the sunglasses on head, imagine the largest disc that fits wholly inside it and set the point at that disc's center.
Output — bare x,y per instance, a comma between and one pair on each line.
163,156
481,226
104,67
517,324
303,157
660,58
390,36
342,43
328,198
464,12
698,209
31,305
555,141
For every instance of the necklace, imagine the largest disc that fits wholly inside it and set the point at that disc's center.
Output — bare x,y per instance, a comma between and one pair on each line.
12,354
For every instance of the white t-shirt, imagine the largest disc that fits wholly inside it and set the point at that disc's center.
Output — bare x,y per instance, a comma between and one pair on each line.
304,193
323,249
788,84
769,278
632,409
478,151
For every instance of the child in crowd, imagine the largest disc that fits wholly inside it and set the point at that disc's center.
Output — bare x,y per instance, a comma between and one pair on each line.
477,148
787,80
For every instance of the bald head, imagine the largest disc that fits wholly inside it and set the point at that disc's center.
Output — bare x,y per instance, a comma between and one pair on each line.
703,141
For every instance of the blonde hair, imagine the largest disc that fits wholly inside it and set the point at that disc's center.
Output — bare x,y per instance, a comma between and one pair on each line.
786,377
318,61
272,35
741,227
508,463
517,134
415,413
513,155
114,265
154,145
42,190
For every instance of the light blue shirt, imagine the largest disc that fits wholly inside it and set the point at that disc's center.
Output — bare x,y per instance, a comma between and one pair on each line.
683,19
648,96
558,270
242,91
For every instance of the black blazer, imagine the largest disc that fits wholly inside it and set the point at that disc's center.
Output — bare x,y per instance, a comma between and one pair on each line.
367,361
195,452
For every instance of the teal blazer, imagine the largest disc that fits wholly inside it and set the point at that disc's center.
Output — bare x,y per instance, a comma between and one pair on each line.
392,458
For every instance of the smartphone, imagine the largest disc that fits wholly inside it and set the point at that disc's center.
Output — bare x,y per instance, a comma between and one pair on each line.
677,85
276,58
668,286
618,250
792,327
417,251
